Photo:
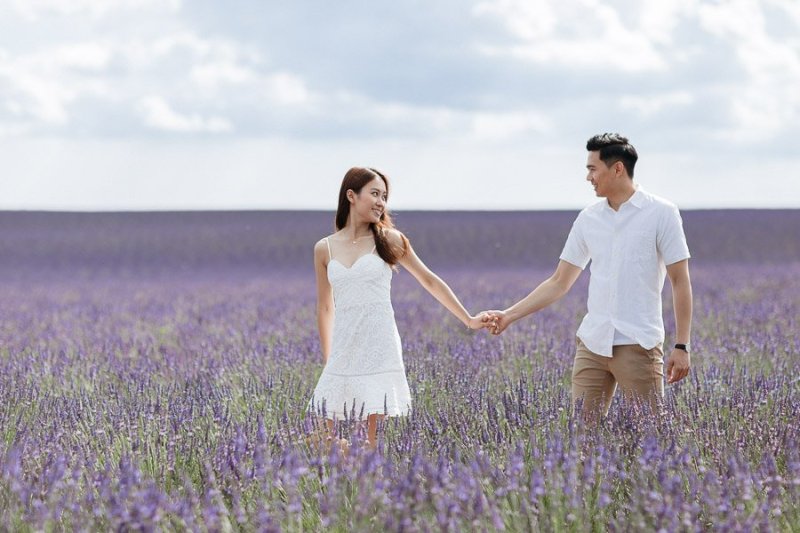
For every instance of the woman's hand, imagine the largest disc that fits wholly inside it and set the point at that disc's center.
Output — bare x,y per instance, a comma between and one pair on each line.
480,321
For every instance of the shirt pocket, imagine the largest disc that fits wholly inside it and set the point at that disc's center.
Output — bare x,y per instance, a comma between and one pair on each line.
642,249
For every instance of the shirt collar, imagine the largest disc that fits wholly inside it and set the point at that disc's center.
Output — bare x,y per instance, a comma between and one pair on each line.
637,199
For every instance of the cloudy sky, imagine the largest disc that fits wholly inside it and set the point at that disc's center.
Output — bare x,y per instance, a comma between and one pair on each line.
474,104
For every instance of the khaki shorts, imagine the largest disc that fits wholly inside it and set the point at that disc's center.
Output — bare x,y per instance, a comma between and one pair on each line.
638,372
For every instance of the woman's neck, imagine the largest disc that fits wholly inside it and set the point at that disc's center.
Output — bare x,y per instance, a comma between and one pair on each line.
355,229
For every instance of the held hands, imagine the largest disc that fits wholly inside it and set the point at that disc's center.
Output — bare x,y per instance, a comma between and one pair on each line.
495,321
498,321
480,321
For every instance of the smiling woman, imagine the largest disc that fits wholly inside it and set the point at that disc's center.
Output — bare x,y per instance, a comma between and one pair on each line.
364,373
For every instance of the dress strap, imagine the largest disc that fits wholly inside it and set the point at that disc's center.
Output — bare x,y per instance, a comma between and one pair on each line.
374,248
328,242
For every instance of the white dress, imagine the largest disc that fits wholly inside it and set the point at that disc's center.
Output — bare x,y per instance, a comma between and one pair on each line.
365,368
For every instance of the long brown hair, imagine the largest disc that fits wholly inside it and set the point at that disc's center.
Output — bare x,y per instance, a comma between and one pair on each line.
354,180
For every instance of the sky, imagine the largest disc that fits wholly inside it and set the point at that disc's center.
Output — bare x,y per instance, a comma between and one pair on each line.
464,104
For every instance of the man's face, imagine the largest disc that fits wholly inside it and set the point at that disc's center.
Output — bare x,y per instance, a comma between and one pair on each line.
599,175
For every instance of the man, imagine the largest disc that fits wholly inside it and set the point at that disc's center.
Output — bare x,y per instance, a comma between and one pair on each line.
632,239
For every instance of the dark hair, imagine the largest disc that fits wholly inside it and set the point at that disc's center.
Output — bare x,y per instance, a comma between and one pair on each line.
614,147
354,180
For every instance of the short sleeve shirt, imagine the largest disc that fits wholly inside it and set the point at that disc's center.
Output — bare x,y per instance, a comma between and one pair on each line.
629,250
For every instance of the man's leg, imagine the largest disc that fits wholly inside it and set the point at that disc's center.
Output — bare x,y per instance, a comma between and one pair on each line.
640,374
593,384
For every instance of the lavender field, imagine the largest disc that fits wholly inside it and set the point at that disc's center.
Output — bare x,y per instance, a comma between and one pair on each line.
155,368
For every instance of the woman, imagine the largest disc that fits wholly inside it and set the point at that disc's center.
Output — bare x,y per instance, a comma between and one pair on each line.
364,371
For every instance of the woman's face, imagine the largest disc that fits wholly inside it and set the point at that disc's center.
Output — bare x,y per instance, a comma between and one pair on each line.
370,202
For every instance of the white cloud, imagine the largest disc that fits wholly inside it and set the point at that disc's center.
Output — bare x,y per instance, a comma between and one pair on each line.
141,75
42,85
36,9
529,20
572,34
215,65
508,125
401,117
660,37
215,74
659,19
398,120
286,88
735,17
789,7
87,56
198,46
13,130
650,105
159,115
768,99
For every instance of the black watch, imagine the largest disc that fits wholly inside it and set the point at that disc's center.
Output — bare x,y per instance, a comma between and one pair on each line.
685,347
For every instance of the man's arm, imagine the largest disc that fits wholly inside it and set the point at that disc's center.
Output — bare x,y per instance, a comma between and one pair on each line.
550,290
679,360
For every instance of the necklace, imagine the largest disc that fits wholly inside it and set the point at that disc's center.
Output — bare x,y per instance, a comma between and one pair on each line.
355,241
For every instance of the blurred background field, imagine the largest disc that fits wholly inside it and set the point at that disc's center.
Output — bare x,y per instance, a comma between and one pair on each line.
88,246
154,371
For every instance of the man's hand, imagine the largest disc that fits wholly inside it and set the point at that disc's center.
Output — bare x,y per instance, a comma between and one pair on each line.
678,365
481,320
499,321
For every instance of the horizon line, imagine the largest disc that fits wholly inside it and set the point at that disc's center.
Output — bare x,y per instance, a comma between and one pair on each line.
333,210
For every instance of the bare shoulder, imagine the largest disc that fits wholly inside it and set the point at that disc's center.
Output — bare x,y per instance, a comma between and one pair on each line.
321,248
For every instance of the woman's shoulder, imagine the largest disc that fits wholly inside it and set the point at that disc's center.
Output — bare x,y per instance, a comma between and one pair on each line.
322,246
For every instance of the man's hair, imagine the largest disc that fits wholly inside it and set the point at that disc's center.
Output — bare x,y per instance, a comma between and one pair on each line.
614,147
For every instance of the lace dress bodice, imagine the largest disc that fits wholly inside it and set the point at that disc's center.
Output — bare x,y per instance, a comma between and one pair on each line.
362,282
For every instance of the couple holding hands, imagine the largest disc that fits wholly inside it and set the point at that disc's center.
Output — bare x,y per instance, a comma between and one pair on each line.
632,238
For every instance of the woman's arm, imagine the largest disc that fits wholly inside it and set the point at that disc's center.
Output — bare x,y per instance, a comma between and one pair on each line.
324,299
434,284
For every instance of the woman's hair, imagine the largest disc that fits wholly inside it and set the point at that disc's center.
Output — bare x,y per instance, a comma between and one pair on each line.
354,180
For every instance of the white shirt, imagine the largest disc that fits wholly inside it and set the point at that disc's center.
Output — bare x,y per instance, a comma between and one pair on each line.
629,250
